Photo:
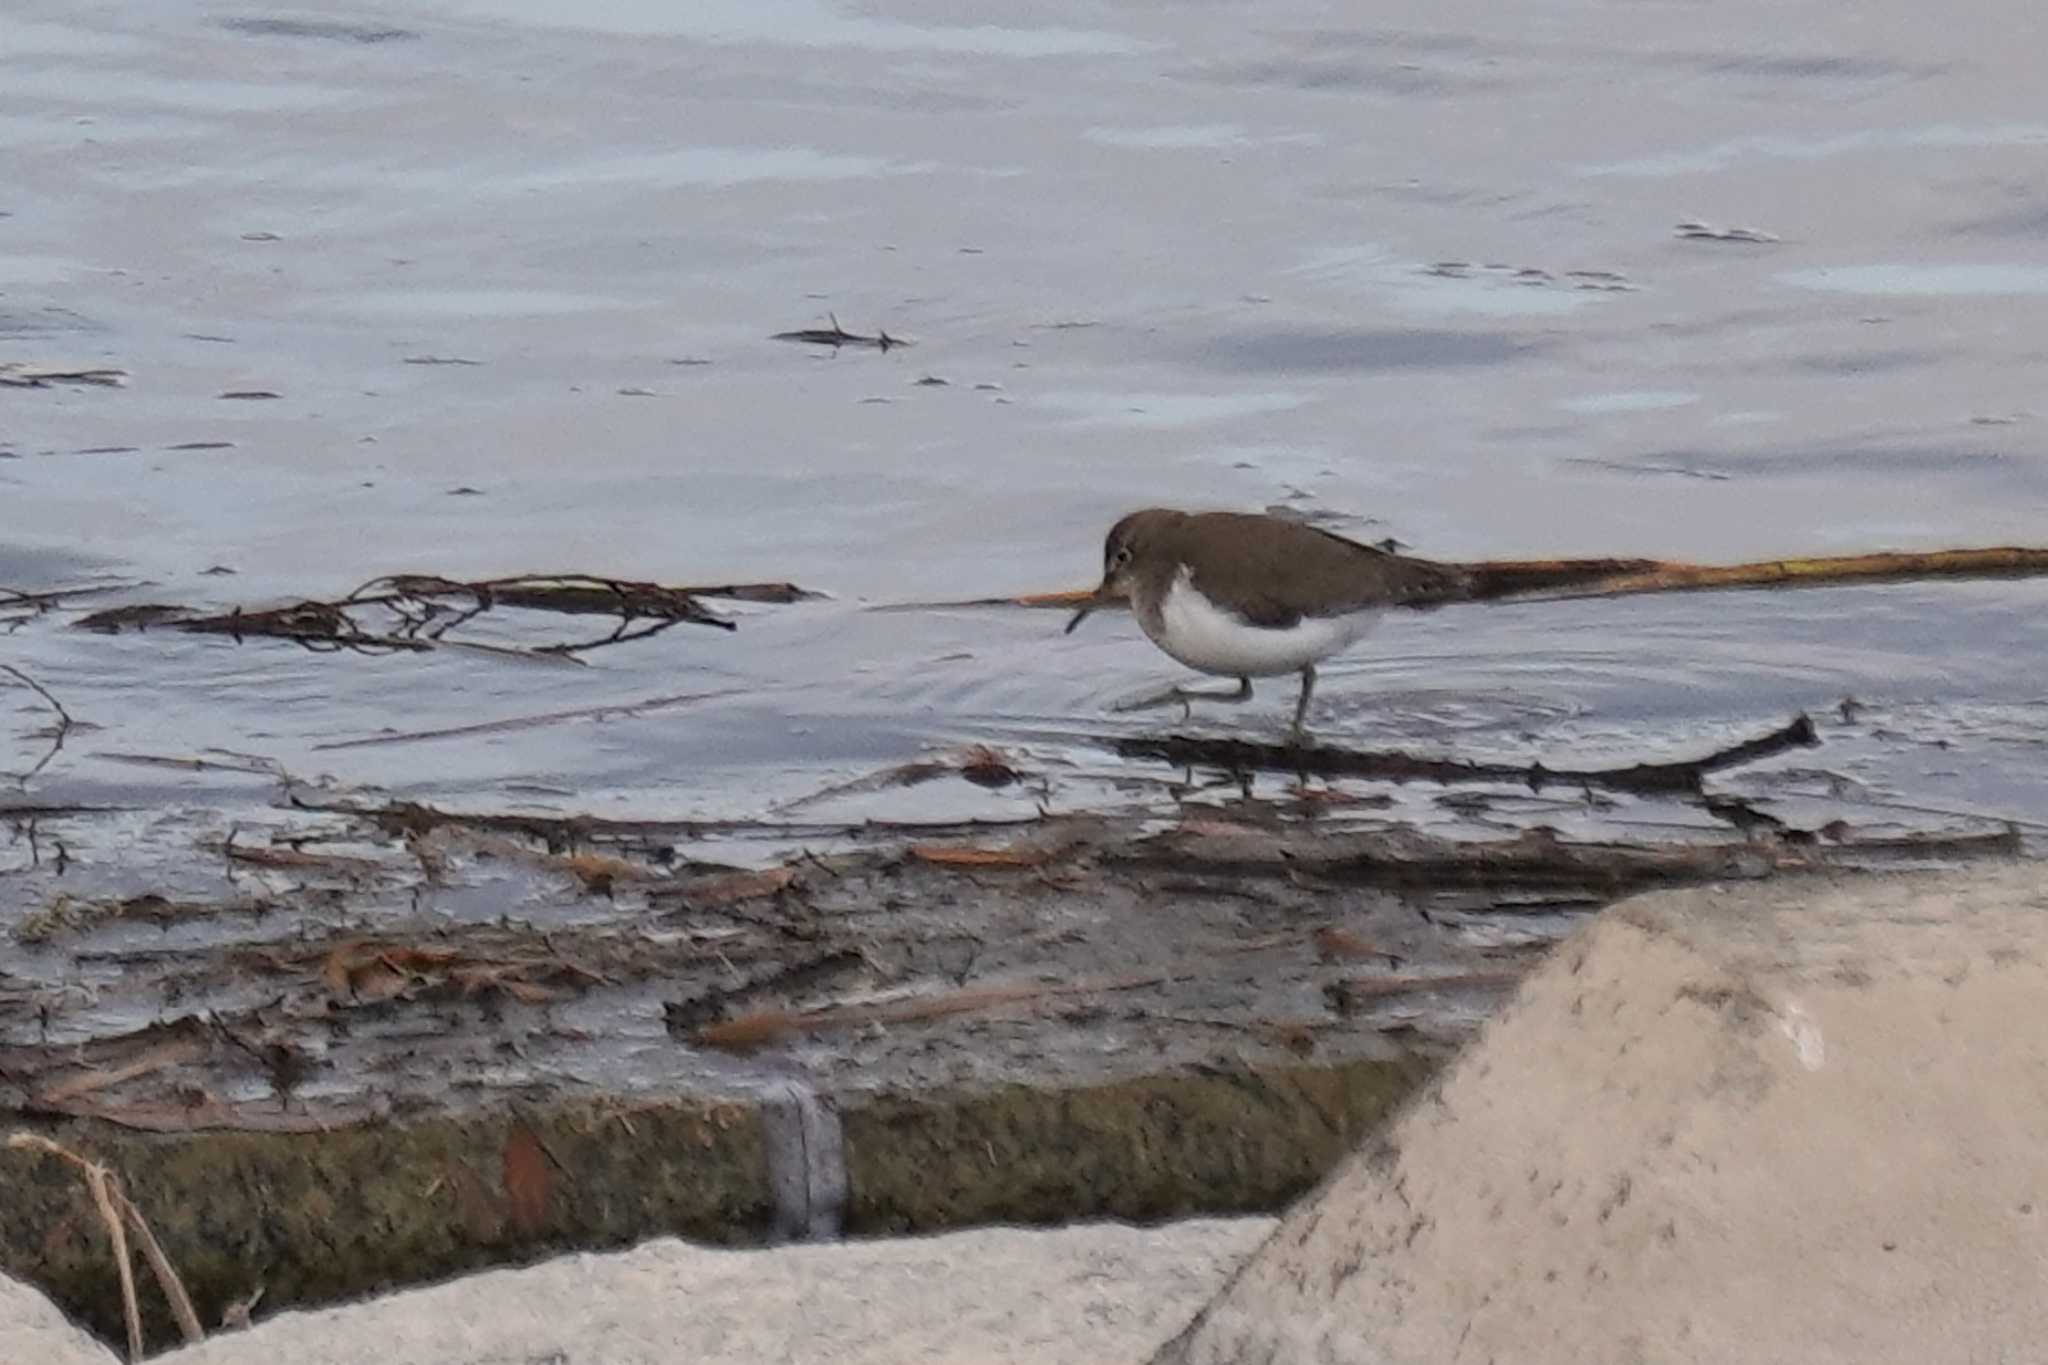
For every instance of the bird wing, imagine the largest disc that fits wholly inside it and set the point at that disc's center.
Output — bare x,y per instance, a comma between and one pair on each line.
1308,570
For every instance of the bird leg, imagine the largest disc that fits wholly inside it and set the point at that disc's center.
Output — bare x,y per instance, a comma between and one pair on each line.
1185,696
1298,731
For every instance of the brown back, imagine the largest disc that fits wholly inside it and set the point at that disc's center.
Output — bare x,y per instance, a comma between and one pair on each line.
1277,571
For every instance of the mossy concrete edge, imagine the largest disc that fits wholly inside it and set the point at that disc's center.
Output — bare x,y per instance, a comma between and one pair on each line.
1157,1147
313,1218
316,1218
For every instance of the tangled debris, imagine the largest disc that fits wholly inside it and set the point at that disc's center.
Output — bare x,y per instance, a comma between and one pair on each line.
418,612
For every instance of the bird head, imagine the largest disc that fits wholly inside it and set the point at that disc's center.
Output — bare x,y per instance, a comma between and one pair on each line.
1132,542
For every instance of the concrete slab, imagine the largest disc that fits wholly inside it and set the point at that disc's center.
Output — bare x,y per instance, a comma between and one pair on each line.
34,1332
1802,1121
1102,1293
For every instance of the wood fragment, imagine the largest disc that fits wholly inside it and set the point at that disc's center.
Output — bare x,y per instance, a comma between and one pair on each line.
957,855
729,888
184,1046
754,1030
258,855
1341,945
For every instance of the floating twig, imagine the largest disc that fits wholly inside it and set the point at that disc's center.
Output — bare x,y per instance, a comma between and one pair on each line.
20,374
51,597
64,721
488,727
836,336
1709,233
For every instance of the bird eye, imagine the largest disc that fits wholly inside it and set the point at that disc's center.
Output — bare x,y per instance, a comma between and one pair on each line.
1121,557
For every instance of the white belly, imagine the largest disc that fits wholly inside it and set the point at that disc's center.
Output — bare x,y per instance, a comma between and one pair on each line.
1202,636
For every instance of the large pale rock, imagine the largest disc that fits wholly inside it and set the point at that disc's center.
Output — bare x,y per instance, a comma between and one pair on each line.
1799,1122
1103,1294
34,1332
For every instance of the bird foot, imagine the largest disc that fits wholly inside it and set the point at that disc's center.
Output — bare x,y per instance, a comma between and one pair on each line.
1185,697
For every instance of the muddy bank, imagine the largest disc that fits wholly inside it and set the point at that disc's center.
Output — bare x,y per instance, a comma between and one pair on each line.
328,1080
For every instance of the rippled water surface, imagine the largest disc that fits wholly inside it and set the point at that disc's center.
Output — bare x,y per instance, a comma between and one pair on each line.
1418,270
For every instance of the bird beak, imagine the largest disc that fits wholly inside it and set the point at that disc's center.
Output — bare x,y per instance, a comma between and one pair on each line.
1102,598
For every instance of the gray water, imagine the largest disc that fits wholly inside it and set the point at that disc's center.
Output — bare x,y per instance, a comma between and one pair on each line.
1416,269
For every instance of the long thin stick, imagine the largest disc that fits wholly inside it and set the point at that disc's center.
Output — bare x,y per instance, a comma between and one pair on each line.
1612,578
1547,579
166,1274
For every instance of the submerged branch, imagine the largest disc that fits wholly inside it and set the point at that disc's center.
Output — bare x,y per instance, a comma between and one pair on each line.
1240,755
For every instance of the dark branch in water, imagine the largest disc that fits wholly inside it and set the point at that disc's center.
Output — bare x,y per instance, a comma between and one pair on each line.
23,607
420,611
836,336
1245,756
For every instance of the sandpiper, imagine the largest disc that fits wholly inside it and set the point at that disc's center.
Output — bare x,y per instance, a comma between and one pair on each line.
1248,595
